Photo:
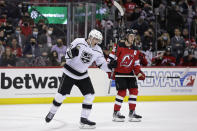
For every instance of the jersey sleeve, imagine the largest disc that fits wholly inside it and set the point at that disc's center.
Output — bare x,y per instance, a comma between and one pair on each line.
101,62
137,68
72,45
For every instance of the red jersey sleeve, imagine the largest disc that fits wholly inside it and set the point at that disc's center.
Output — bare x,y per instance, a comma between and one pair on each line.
137,68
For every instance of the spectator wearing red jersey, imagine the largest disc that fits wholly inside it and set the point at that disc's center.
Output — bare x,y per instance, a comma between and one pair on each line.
165,59
16,49
26,29
130,6
130,9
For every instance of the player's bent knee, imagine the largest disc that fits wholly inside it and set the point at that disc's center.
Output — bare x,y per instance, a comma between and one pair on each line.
88,98
59,97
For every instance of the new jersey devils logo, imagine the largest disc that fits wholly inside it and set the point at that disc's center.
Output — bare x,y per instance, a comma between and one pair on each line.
127,60
86,57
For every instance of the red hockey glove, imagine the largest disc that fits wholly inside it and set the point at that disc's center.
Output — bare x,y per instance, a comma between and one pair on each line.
111,77
141,76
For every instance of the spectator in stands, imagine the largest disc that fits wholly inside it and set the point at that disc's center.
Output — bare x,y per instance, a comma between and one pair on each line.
163,41
60,48
147,12
147,40
189,40
53,58
3,7
47,39
33,34
188,60
26,19
2,49
174,18
164,59
32,49
16,49
2,18
168,59
191,49
8,28
130,7
21,40
141,25
178,45
14,13
41,26
194,27
26,29
185,34
8,59
3,38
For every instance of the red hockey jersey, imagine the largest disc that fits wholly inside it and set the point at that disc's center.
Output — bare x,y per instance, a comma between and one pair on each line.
127,59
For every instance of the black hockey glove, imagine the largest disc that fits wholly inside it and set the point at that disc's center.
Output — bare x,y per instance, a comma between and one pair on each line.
112,64
75,51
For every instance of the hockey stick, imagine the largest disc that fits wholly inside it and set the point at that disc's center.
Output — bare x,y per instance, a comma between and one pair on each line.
172,77
118,6
112,73
120,9
176,77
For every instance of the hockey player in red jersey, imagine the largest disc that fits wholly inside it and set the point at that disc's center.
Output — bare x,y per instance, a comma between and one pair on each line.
128,64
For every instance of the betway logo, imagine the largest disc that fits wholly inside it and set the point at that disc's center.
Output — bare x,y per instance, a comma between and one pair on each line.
28,80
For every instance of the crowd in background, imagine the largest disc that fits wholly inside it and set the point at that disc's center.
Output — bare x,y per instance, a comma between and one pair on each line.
167,30
167,27
25,43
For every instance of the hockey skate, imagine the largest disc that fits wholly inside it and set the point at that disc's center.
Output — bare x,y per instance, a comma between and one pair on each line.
117,117
49,117
87,124
134,117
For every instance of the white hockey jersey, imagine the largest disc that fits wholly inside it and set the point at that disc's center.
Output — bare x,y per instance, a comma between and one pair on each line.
77,67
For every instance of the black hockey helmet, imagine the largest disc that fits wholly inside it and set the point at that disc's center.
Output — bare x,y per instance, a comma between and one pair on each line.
130,31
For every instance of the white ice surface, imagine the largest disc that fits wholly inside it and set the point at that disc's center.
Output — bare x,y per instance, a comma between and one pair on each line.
157,116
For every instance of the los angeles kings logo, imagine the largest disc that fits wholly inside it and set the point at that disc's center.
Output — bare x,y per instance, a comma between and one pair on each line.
86,57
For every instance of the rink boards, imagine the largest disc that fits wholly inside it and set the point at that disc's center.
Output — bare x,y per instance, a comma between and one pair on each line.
39,85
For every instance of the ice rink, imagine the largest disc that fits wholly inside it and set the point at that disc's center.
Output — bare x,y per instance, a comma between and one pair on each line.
157,116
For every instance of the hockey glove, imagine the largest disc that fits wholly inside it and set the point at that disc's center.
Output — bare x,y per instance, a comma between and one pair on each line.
111,77
141,76
112,64
75,51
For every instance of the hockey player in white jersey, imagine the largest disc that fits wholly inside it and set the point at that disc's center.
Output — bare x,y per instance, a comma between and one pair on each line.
81,54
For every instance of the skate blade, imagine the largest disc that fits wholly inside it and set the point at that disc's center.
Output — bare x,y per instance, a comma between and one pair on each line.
135,120
85,126
118,120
